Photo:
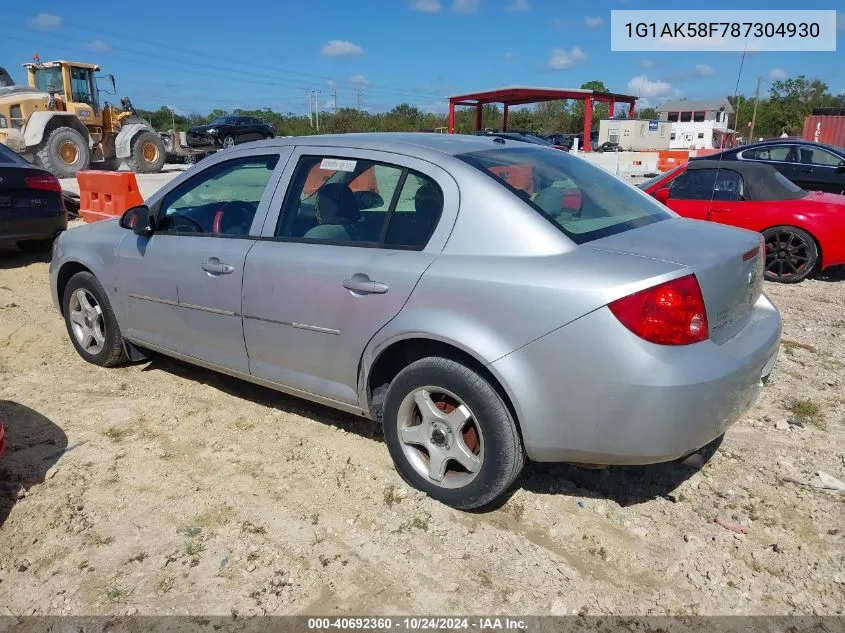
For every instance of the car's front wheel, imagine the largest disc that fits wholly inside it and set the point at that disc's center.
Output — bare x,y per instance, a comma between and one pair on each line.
91,323
450,434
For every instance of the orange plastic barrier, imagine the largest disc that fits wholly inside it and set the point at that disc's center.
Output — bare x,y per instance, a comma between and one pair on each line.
706,152
106,194
366,180
518,176
667,160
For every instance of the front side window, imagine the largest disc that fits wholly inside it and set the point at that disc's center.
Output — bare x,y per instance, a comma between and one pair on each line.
779,153
359,202
82,89
582,201
221,200
821,157
708,184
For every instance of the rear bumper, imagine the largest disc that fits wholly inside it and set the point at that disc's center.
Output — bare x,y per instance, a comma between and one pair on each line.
594,392
22,229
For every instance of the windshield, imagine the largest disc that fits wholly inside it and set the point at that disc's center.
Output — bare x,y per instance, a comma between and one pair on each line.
8,156
48,79
648,183
582,201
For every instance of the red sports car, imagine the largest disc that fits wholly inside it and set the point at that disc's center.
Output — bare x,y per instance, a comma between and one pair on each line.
804,230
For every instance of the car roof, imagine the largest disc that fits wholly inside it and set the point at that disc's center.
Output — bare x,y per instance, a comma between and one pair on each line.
415,143
788,141
761,180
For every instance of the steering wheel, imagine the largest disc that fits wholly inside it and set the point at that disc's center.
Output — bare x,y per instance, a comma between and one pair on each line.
179,223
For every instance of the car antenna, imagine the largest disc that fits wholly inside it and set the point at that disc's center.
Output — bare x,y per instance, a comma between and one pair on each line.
722,148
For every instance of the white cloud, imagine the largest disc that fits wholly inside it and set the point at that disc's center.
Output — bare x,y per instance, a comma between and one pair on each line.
647,63
341,48
704,70
561,60
642,87
465,6
508,55
519,5
360,81
98,46
594,21
777,74
45,22
426,6
330,83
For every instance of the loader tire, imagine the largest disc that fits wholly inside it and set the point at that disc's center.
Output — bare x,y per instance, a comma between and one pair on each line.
147,155
64,153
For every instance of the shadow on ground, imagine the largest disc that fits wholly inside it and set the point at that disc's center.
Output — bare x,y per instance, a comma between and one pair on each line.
11,257
626,485
835,273
267,397
34,444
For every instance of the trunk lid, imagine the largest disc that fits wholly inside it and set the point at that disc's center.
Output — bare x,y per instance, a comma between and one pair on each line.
18,200
725,260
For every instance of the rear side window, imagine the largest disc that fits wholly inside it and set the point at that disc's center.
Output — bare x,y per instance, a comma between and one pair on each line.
583,201
359,203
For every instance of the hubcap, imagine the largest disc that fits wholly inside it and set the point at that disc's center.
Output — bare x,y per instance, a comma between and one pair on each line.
228,142
440,437
86,320
150,152
787,255
69,153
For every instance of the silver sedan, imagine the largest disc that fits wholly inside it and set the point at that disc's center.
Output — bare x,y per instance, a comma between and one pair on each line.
488,301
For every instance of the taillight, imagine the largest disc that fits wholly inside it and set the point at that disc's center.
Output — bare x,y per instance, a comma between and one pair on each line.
672,313
45,182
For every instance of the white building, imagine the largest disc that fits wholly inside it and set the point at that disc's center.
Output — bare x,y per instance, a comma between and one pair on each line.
697,124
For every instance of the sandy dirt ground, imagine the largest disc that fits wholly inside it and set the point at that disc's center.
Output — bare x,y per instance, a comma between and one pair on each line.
159,488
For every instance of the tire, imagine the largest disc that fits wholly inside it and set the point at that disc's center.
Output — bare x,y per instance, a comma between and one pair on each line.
228,141
189,159
497,455
791,254
64,153
109,351
147,155
36,246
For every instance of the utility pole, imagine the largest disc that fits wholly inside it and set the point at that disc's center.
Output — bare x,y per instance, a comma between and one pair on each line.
334,94
310,114
316,94
359,91
754,116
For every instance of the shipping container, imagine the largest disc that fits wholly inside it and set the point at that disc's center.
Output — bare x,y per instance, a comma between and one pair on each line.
829,130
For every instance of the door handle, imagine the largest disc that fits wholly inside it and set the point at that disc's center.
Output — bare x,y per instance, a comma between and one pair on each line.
806,170
215,267
364,285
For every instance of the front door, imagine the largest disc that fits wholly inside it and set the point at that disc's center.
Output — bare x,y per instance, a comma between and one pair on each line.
690,194
352,240
182,286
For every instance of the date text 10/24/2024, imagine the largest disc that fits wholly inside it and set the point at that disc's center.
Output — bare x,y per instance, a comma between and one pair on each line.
418,624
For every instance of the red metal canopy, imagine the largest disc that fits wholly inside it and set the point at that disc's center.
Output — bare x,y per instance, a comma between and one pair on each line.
520,95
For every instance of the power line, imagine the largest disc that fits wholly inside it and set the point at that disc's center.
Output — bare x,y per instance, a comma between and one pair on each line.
238,62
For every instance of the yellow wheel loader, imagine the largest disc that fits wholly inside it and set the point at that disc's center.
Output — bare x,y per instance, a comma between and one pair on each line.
57,122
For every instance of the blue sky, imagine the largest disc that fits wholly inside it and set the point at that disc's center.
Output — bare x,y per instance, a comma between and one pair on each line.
252,53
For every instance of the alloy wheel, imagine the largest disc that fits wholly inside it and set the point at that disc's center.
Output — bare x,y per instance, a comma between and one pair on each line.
87,323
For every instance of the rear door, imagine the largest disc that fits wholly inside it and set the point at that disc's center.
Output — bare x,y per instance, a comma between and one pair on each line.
317,288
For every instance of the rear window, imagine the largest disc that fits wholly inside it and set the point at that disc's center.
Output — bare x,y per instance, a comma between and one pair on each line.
584,202
8,156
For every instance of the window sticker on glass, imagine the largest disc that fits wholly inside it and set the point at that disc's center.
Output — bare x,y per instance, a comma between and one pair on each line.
338,164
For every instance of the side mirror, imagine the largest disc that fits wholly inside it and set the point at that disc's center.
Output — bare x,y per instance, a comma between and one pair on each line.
137,219
662,195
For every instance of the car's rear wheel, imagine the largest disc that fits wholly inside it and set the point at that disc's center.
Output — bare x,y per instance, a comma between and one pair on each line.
91,323
791,254
450,434
228,141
